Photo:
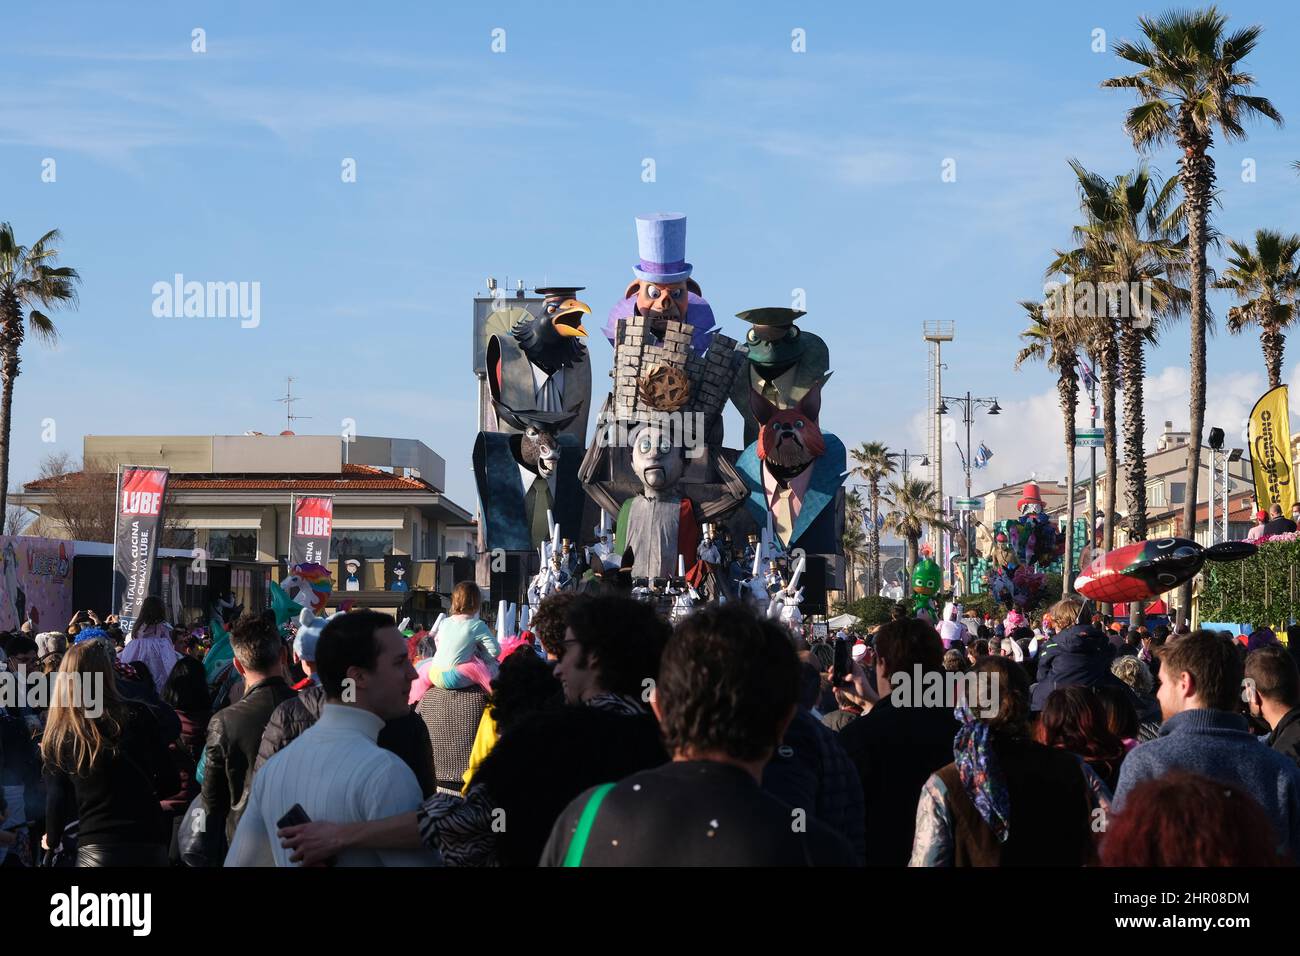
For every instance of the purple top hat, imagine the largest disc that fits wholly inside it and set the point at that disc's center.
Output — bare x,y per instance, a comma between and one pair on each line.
661,243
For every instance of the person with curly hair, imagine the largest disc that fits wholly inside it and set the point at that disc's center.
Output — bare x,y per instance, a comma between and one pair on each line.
549,622
1136,675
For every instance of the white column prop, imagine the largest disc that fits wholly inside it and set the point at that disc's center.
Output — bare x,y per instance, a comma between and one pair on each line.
501,619
681,565
798,570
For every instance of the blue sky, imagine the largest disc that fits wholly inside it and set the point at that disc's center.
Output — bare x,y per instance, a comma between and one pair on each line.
818,170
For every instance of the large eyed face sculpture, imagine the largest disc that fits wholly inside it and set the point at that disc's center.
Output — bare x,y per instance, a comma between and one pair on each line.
662,302
656,460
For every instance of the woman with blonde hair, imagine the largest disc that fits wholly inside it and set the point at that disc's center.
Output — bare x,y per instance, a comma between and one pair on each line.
106,766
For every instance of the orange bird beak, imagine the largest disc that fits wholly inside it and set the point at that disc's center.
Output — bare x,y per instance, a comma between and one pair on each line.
568,321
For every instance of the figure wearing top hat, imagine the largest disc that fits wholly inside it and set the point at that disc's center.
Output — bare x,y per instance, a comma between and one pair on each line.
540,363
663,289
785,363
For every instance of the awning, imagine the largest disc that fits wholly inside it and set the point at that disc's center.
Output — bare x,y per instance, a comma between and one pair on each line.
374,523
221,522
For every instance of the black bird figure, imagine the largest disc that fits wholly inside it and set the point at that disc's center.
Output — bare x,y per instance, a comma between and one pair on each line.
542,363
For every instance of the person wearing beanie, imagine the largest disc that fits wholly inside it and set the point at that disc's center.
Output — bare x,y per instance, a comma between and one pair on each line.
304,647
49,643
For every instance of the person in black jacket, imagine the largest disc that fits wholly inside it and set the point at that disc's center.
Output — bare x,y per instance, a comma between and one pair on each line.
20,761
810,769
235,733
405,736
1080,656
897,744
106,765
1273,693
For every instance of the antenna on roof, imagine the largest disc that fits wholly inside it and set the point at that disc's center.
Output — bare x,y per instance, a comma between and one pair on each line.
287,401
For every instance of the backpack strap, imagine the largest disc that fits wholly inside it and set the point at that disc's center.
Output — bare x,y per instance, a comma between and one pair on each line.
578,845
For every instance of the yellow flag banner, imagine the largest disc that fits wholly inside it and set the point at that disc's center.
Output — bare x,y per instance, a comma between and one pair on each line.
1270,450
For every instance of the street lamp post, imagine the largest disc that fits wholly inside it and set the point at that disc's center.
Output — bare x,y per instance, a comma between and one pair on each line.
968,404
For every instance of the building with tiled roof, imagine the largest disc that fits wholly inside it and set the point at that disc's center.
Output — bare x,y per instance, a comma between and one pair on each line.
232,494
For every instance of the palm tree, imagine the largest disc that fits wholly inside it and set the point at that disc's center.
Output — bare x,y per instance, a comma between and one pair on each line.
854,542
1134,245
915,506
1191,80
873,463
1098,336
1054,339
1267,281
28,279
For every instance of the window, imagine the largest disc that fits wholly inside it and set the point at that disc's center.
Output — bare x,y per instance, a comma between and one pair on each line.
361,543
179,538
1156,494
233,544
1177,492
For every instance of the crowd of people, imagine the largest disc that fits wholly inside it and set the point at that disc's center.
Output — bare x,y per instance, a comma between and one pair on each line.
604,736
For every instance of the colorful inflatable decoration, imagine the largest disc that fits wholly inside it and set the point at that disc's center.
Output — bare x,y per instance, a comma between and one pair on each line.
663,290
1033,538
784,363
927,580
306,586
1024,548
1145,569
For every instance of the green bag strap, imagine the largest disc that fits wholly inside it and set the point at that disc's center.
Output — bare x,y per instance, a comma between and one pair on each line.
578,845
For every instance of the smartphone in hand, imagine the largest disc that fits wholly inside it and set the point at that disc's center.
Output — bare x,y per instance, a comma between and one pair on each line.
295,817
843,661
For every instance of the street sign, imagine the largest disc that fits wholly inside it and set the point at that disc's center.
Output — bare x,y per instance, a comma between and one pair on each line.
1090,437
967,504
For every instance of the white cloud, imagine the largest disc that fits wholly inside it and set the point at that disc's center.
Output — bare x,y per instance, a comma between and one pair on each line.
1028,437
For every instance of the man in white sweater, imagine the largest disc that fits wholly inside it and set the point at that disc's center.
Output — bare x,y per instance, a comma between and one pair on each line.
335,770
